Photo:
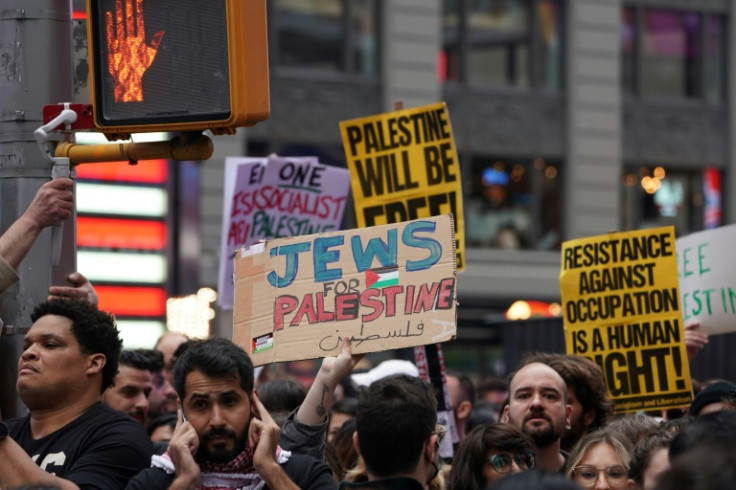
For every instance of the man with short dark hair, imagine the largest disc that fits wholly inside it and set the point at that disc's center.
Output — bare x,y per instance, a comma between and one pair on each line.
225,437
69,439
133,384
163,397
396,434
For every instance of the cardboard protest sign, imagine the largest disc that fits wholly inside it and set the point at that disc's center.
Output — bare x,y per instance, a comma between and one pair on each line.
384,287
404,166
621,309
707,270
277,197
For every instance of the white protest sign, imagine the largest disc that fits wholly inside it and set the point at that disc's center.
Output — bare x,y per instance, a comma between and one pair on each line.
277,197
242,176
706,266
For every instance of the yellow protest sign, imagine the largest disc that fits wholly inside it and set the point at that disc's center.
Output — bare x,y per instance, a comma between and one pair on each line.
403,166
622,310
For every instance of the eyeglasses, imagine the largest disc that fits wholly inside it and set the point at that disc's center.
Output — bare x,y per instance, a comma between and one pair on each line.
502,462
617,475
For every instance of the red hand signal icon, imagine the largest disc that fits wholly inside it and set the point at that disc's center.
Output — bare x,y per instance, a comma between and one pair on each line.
128,55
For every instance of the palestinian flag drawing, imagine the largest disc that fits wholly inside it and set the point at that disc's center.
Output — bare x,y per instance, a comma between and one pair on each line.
382,277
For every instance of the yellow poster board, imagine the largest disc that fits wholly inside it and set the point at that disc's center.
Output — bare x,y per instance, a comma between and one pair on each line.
622,309
403,166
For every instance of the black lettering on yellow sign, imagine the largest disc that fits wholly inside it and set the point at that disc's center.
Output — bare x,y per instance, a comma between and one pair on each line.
635,303
616,278
438,160
643,334
597,340
628,336
618,250
383,175
641,371
396,132
392,172
397,211
580,342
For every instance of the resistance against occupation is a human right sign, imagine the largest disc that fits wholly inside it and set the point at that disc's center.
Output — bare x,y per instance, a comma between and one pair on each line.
621,309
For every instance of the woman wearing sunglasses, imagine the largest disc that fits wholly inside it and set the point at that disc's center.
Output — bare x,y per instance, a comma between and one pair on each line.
487,454
600,460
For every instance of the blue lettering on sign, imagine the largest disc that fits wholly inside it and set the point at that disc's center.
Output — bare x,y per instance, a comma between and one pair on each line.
376,247
292,263
322,256
433,246
385,251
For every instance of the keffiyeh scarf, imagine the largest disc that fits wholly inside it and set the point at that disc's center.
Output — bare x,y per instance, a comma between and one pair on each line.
237,474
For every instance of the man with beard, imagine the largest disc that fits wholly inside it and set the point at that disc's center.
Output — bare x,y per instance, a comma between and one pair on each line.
225,438
163,396
538,407
132,385
586,393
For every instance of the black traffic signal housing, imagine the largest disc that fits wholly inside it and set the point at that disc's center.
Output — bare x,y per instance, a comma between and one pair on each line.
177,65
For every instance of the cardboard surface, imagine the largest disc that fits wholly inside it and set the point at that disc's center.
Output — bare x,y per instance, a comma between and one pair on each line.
403,166
706,267
621,309
384,287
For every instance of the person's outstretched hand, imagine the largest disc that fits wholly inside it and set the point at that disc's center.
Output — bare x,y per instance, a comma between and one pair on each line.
694,340
81,289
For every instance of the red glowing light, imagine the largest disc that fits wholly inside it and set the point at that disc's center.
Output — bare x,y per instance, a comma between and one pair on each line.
128,56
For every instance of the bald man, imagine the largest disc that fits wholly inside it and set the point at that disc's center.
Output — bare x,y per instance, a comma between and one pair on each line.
167,345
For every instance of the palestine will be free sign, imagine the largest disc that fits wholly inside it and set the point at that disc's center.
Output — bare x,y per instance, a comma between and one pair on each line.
403,166
622,310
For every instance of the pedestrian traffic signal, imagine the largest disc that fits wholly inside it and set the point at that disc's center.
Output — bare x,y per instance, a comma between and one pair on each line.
177,65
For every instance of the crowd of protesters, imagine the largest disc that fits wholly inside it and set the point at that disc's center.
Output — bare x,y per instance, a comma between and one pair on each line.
193,414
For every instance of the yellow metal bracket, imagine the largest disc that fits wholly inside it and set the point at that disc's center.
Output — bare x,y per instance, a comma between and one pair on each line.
185,147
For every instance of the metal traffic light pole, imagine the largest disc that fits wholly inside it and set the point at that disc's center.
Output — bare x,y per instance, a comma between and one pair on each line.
36,69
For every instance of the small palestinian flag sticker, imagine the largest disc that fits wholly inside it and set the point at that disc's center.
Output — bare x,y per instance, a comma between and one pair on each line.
382,277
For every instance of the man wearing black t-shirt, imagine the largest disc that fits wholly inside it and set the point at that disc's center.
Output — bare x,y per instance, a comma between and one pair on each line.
69,439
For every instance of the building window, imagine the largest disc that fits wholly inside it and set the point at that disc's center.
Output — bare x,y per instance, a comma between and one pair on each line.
503,43
513,204
689,200
673,53
325,35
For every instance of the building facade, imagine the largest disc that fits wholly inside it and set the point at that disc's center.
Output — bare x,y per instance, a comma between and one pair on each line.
571,118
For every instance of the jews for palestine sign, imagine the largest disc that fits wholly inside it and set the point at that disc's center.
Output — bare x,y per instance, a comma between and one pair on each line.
383,287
